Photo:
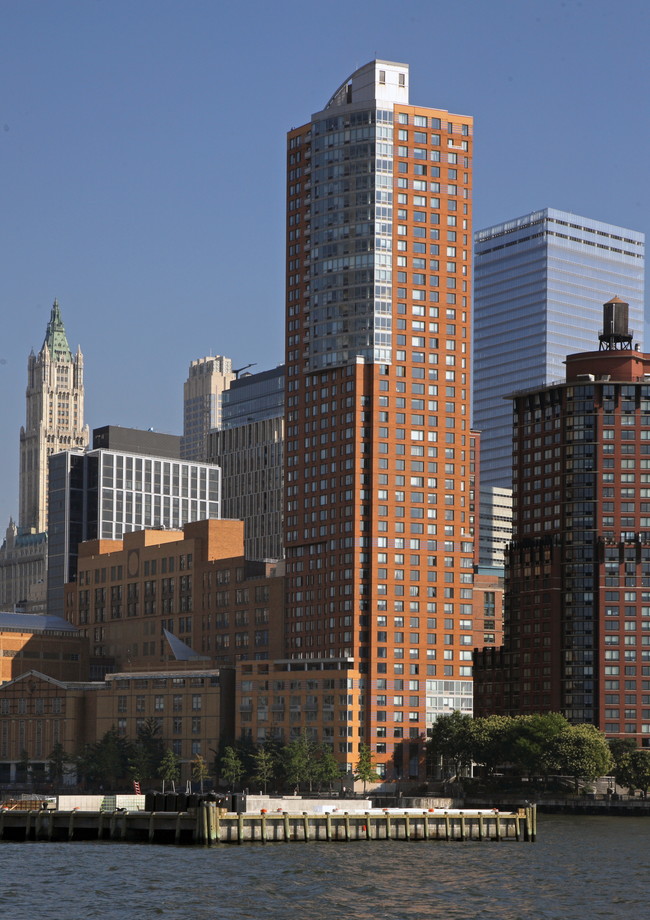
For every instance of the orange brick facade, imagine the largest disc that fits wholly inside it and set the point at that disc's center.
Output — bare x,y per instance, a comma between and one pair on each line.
280,700
195,584
378,529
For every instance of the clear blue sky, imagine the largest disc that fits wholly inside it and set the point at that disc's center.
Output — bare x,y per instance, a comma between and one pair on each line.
142,162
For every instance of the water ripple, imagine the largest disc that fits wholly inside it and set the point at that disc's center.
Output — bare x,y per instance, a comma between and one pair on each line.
580,867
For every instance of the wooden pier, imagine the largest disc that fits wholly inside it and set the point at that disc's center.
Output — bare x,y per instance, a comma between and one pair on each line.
207,825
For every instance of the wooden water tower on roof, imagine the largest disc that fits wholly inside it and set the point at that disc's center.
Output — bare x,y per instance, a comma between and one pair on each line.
615,335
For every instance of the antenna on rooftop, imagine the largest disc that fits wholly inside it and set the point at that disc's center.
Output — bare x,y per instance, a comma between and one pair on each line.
240,369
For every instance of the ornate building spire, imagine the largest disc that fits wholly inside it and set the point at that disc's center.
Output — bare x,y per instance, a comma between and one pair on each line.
55,337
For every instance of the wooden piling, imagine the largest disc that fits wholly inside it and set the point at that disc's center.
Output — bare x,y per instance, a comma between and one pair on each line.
204,824
212,823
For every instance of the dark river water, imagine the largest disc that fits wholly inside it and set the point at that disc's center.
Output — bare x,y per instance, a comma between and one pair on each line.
579,868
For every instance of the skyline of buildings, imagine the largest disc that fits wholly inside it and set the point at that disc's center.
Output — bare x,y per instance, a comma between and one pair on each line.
355,461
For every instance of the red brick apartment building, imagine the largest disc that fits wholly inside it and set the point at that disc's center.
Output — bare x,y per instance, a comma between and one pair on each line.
378,529
577,616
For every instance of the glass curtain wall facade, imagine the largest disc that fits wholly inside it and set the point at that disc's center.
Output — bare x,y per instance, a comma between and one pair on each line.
378,531
540,282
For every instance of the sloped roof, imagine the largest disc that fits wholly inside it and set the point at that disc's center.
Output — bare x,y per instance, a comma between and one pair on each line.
35,622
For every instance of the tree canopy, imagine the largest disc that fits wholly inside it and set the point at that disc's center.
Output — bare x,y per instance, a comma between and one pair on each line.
633,770
529,745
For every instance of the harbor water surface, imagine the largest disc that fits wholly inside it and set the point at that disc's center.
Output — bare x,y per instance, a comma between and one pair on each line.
580,867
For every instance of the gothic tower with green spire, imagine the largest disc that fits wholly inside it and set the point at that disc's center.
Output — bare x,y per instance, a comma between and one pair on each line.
54,419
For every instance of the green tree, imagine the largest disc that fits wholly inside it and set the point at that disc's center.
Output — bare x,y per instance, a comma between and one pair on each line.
264,767
326,768
296,760
633,770
147,751
231,767
365,767
490,741
56,762
619,747
580,751
23,766
200,770
531,739
170,769
450,743
106,762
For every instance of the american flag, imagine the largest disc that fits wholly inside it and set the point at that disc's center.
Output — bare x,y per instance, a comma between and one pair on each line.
136,787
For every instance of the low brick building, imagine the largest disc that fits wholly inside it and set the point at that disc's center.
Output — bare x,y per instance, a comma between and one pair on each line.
195,585
279,700
194,708
38,712
47,644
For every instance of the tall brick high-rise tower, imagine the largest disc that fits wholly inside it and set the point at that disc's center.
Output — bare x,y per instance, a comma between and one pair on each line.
378,529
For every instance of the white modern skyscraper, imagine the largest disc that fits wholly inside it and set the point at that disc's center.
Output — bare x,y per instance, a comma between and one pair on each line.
540,283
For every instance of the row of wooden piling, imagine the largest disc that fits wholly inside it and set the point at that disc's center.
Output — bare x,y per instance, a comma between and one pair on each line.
207,825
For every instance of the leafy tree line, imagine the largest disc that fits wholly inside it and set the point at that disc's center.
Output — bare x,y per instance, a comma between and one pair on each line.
114,761
536,745
300,765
